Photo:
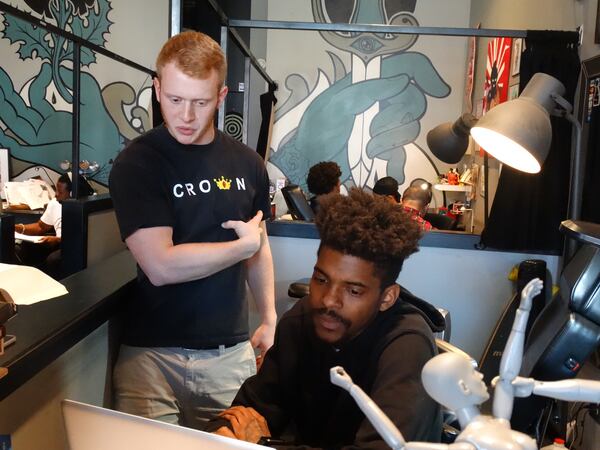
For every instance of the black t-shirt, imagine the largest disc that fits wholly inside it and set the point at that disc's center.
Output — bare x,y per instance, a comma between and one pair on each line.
157,182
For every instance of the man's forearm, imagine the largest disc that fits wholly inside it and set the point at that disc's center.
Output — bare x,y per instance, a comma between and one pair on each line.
261,280
188,262
36,228
165,263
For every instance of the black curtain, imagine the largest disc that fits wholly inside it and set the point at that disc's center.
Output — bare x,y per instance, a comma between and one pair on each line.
528,208
267,106
590,210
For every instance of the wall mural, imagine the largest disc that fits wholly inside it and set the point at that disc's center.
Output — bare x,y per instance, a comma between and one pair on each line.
367,118
36,121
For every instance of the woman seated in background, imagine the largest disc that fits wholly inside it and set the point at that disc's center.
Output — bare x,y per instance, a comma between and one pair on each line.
45,253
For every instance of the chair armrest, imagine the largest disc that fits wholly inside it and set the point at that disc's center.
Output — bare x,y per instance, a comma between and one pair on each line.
444,347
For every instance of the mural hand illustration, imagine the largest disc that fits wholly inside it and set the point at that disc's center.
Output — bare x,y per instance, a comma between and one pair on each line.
325,128
42,134
398,120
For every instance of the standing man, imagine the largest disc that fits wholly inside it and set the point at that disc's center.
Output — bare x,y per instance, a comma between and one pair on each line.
190,203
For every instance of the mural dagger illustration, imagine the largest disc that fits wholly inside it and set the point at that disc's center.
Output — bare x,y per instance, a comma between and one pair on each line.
367,50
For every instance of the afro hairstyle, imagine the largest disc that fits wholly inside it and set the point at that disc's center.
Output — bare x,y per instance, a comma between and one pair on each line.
370,228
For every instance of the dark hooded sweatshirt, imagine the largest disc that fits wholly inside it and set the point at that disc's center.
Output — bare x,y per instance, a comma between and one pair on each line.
292,390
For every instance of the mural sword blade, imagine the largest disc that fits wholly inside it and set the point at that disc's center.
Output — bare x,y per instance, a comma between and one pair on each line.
360,163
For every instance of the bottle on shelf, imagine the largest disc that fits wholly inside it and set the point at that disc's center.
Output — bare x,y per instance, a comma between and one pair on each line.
453,177
558,444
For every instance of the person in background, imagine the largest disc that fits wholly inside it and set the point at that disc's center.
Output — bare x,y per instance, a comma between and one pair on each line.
388,188
323,178
357,317
415,201
45,254
190,203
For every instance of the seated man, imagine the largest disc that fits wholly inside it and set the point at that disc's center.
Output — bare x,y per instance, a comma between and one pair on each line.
355,316
45,254
387,187
415,201
323,178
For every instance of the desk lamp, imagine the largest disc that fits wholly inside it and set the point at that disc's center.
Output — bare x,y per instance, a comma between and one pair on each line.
517,133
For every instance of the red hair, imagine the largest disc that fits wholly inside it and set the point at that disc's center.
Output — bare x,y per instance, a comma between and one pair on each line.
195,54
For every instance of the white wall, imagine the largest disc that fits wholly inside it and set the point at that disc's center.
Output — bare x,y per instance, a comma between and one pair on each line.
471,284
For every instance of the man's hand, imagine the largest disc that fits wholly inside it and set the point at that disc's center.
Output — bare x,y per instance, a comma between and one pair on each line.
224,431
49,240
249,233
248,425
263,340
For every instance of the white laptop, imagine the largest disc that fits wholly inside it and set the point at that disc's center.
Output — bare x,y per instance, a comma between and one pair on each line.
94,428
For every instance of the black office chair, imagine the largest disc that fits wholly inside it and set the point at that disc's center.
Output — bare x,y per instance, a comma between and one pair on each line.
567,330
297,204
441,221
7,239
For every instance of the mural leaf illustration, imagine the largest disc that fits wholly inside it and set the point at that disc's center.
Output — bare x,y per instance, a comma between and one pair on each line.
31,38
92,27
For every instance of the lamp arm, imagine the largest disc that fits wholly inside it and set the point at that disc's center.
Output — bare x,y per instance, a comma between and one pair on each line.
577,163
578,156
567,108
572,119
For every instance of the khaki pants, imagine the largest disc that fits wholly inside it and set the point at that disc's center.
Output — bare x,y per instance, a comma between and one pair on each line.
181,386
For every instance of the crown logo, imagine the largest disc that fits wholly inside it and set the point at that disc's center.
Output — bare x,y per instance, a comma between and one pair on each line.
223,183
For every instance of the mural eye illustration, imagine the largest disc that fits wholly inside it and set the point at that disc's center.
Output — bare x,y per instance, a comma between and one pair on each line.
366,44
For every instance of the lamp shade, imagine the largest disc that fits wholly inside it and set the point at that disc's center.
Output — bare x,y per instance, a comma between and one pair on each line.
518,132
449,141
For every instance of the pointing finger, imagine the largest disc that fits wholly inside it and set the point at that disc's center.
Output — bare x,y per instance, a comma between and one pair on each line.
257,218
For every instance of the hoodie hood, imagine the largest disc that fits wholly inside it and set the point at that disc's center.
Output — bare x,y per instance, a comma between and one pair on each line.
430,313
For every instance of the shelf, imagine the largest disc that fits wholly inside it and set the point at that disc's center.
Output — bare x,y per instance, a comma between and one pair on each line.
453,187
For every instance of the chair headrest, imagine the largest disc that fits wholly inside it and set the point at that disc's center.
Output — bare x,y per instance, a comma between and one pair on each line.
580,283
